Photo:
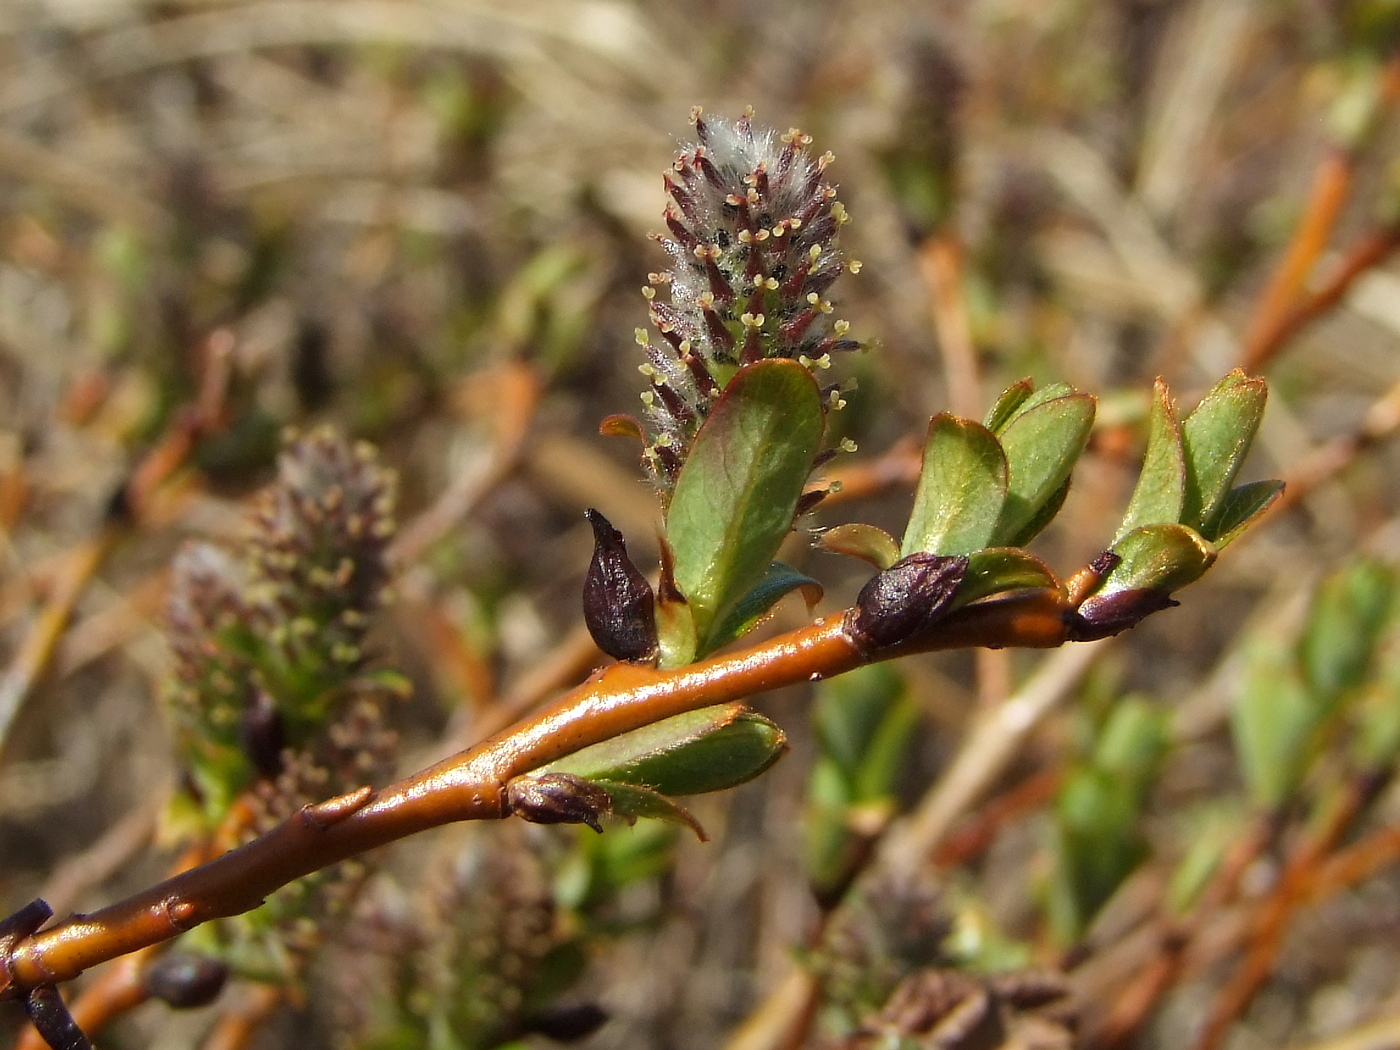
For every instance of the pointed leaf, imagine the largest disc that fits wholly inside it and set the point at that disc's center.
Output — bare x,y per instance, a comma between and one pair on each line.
1034,399
1043,517
1159,558
778,582
1011,399
849,710
1042,445
961,489
1216,438
1161,487
735,497
866,542
1242,507
1000,569
631,801
1273,724
706,750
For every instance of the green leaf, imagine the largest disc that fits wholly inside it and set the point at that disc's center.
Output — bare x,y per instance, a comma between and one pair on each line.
996,570
1161,487
1216,437
866,542
1158,557
1011,399
881,765
961,489
779,581
631,801
1013,403
1240,509
1273,722
735,497
1042,444
1348,613
675,632
699,751
1208,841
848,711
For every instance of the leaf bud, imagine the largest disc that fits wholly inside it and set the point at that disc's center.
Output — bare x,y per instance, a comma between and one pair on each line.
618,603
1104,615
569,1022
905,600
185,980
558,798
260,731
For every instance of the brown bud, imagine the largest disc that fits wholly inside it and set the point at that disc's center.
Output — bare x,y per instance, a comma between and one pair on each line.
568,1023
51,1019
185,980
618,603
905,600
260,731
1104,615
558,798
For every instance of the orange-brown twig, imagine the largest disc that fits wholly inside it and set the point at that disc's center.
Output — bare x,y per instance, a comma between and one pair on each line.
1330,187
1271,920
1135,1003
1278,314
236,1027
940,262
473,785
968,841
37,649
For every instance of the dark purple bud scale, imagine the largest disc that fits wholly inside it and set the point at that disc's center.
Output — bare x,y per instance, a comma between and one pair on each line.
905,601
50,1017
185,980
558,798
618,603
1102,616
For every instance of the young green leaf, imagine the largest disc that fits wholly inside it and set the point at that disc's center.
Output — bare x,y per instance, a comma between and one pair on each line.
1241,508
778,582
1011,399
1157,557
866,542
1216,437
1348,614
706,750
1161,487
1042,444
1017,400
735,497
961,489
631,801
1273,723
997,570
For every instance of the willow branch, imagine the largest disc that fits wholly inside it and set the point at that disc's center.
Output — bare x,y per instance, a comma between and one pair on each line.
473,784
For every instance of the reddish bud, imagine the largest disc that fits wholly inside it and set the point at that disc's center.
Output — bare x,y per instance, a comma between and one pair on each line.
618,603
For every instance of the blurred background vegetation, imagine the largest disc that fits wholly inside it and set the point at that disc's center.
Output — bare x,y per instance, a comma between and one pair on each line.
425,222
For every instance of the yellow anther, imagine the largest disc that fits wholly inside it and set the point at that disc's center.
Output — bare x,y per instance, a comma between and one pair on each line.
642,336
847,445
648,292
840,328
854,265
